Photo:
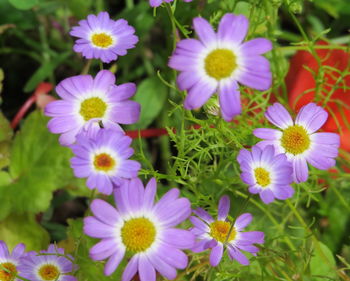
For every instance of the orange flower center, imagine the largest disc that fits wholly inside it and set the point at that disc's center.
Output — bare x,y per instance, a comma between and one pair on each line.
104,162
219,230
8,271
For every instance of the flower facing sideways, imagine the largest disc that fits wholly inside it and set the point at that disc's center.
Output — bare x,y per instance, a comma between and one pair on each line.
217,234
268,174
217,61
85,100
9,262
141,228
103,159
103,38
157,3
298,139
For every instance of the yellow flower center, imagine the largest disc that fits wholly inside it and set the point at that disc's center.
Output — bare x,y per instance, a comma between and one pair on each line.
138,234
262,177
220,63
104,162
295,139
219,230
92,108
102,40
8,271
49,272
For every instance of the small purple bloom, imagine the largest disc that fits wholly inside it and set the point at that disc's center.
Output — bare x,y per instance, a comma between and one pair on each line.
10,261
217,61
103,38
47,265
104,160
268,174
298,139
86,100
143,229
157,3
220,233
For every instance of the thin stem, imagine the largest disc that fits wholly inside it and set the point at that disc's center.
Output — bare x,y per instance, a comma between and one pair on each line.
173,23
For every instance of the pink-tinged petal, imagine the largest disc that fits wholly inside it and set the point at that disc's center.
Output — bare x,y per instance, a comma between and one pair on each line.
146,270
267,134
204,31
267,196
199,94
103,80
238,256
224,207
155,3
97,229
230,100
279,116
311,117
242,221
233,28
162,267
203,215
179,238
216,254
104,212
131,269
150,192
257,46
301,171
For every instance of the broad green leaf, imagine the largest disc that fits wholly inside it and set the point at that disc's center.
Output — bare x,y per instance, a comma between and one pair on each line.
151,94
322,263
79,8
23,229
24,4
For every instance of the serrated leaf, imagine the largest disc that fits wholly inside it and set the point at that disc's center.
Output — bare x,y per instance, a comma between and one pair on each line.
322,263
24,4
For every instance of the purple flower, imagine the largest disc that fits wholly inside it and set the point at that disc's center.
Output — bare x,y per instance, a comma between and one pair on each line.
217,61
268,174
220,233
103,38
157,3
10,261
86,100
103,159
144,230
298,139
48,265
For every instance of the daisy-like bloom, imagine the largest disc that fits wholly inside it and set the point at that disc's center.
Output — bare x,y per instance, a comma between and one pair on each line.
268,174
141,228
157,3
85,100
103,38
217,61
298,139
220,233
48,265
9,262
103,159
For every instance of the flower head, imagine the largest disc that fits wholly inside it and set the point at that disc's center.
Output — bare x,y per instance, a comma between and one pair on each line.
220,233
217,61
157,3
298,139
103,38
10,262
143,229
268,174
86,100
103,159
48,265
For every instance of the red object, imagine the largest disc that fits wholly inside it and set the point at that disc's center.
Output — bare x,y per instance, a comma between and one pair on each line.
301,86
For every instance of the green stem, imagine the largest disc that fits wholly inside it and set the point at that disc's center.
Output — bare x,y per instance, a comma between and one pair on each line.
173,23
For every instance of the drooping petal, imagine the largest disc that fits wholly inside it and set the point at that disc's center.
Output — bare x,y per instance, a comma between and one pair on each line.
230,101
216,254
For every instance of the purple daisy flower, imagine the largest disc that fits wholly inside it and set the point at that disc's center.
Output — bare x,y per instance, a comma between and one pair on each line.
220,233
298,139
157,3
103,159
268,174
141,228
48,265
217,61
103,38
86,100
10,262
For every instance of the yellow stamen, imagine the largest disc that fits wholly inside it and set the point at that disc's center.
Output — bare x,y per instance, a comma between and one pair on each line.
49,272
138,234
262,176
295,139
92,108
220,63
102,40
10,273
104,162
219,230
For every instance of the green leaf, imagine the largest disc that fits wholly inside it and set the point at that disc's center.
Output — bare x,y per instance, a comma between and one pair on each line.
5,137
2,76
23,229
79,8
151,94
24,4
322,263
